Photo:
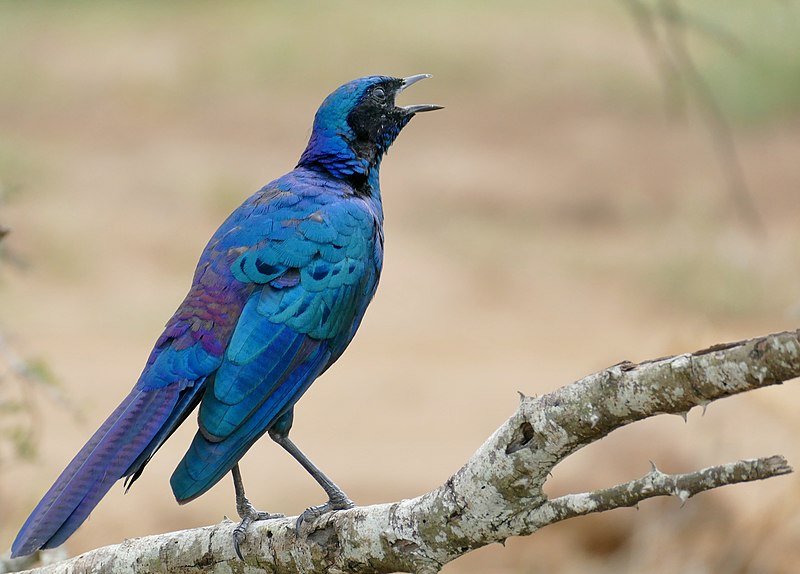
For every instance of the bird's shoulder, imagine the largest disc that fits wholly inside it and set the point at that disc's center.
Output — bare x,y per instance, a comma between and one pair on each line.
301,220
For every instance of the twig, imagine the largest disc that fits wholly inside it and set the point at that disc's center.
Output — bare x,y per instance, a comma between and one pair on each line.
656,483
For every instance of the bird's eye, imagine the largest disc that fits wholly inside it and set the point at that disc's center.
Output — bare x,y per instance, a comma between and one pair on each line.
379,94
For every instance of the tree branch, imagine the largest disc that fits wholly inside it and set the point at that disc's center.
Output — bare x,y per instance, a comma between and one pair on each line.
498,492
656,483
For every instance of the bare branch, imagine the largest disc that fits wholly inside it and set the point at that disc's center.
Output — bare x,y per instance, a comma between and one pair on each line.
498,492
656,483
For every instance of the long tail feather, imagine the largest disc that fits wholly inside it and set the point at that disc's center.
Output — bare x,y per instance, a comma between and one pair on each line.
186,403
99,464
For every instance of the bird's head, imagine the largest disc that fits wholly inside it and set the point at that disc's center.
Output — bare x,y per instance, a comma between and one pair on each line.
357,123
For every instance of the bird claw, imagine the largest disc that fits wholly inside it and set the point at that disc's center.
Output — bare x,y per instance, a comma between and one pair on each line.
309,515
239,536
248,515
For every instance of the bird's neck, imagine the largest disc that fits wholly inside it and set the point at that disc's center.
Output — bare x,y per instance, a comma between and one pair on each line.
358,165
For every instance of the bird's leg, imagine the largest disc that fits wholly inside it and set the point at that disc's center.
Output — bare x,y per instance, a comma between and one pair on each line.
246,512
337,499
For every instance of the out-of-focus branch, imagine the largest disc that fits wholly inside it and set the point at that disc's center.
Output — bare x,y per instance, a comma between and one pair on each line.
646,26
498,493
683,81
712,115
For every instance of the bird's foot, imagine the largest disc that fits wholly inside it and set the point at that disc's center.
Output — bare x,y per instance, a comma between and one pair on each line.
309,515
248,514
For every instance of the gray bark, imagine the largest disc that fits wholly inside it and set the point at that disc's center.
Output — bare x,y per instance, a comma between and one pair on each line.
498,492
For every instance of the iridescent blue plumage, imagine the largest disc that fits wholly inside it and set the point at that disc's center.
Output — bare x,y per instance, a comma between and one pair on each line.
278,294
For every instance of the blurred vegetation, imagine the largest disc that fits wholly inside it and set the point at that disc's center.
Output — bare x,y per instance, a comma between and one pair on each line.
16,406
749,56
17,409
19,377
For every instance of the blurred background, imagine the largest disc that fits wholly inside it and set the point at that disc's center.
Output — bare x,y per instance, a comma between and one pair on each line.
577,203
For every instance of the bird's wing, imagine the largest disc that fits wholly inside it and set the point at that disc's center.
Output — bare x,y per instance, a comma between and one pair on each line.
312,288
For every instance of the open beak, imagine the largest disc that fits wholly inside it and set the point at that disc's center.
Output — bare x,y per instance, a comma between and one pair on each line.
409,81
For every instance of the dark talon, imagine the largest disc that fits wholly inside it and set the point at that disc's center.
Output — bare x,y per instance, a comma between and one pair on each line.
240,532
239,536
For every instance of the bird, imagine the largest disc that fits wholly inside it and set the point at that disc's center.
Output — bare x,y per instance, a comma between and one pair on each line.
278,294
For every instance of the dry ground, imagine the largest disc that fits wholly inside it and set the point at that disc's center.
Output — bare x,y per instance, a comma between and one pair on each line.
550,222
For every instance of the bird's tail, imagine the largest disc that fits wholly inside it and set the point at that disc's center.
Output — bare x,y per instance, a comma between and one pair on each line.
108,455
